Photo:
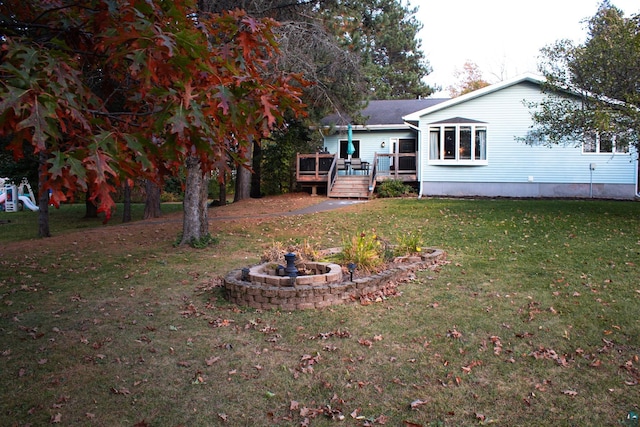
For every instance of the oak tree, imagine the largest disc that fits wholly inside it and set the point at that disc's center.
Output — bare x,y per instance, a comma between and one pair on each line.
104,90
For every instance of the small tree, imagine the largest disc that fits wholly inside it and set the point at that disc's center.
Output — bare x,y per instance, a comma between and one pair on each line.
469,79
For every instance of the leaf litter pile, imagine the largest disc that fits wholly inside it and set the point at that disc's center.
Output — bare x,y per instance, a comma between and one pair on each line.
527,324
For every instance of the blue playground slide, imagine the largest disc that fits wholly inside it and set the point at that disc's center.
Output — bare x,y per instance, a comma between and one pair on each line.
28,203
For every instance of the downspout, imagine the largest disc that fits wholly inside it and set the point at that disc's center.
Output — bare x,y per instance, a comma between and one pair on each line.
418,158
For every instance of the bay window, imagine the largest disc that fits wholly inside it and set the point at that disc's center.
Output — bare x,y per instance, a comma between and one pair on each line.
458,143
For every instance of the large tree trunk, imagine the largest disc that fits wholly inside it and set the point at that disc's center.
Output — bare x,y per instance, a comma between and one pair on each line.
152,207
256,177
243,179
195,225
223,189
91,208
203,204
43,198
126,209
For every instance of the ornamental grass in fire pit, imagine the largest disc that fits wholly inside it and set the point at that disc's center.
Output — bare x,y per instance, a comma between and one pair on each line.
298,277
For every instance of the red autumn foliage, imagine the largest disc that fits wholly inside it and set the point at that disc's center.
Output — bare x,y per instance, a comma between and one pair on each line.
116,90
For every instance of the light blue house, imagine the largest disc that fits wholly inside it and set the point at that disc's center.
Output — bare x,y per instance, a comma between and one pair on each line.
472,146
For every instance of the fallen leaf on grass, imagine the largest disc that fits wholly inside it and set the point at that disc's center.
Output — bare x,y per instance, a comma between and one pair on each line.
467,369
123,391
417,403
549,354
382,420
213,359
219,323
497,345
454,333
223,417
198,379
337,333
57,418
571,393
484,420
406,423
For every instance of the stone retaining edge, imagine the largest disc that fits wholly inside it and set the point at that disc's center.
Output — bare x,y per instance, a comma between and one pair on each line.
266,296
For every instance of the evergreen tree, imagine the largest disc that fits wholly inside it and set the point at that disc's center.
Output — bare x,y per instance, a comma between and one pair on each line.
384,32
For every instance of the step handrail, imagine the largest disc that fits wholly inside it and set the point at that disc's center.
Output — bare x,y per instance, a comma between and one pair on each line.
332,174
372,177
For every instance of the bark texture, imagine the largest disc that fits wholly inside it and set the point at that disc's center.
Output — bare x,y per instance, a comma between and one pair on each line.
195,225
152,201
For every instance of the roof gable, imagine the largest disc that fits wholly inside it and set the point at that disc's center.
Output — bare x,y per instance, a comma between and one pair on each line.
456,120
531,78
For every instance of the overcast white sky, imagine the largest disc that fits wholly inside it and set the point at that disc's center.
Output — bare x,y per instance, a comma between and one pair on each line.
503,37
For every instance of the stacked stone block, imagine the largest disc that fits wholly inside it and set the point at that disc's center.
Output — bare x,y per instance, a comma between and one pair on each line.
265,291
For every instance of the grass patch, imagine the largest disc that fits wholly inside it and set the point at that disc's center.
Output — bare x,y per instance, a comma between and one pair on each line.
23,225
534,321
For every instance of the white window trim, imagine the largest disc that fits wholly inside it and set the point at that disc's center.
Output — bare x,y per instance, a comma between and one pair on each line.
457,161
603,153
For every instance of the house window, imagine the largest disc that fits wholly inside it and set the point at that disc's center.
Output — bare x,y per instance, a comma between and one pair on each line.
344,146
458,144
406,145
603,143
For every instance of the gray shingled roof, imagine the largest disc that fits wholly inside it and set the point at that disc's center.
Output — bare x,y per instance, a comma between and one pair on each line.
386,112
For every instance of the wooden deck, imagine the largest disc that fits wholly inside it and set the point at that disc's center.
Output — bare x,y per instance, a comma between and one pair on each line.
320,171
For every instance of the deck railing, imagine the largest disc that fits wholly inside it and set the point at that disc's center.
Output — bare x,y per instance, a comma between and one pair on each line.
313,167
395,165
321,168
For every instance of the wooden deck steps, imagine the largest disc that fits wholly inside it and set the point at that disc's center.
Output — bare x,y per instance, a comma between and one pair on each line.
351,187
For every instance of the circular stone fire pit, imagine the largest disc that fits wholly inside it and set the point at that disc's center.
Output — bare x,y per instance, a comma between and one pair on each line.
259,287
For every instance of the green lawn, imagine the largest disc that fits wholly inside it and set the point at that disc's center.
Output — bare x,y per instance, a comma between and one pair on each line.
23,225
534,320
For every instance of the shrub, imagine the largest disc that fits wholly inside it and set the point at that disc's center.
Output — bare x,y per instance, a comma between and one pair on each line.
393,188
408,243
364,250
